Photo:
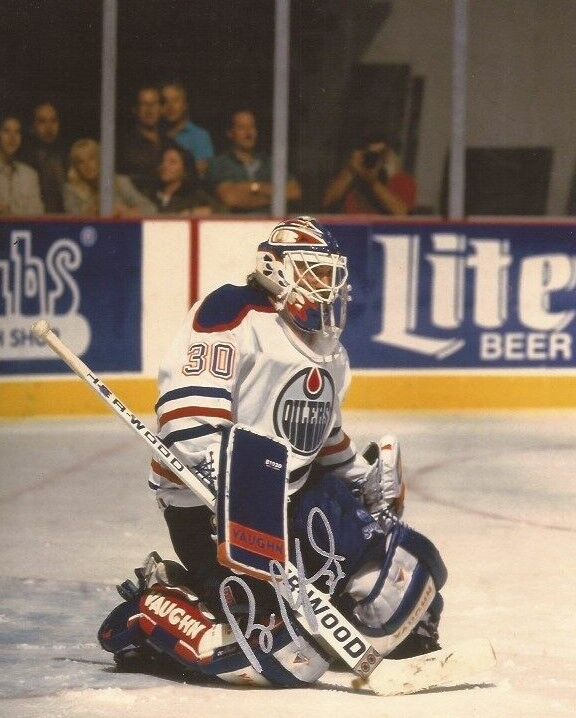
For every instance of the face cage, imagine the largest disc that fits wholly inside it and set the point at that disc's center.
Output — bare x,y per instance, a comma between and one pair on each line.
304,270
315,304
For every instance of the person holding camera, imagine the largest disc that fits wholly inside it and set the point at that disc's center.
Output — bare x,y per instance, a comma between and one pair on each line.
371,182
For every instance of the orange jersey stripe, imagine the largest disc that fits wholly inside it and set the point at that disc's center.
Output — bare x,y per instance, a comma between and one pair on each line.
328,450
165,473
192,411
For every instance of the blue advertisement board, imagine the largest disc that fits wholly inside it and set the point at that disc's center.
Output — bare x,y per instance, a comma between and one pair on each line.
466,296
85,280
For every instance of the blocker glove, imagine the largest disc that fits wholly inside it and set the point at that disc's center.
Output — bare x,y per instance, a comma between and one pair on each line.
382,486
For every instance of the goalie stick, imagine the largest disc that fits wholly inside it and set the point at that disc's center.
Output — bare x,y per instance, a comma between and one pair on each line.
333,629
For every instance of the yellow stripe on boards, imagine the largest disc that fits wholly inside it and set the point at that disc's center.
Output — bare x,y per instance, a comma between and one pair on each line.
71,397
460,391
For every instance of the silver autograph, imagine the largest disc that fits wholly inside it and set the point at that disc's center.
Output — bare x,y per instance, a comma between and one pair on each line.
331,571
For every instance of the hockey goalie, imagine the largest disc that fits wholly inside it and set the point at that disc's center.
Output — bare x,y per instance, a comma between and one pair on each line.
250,397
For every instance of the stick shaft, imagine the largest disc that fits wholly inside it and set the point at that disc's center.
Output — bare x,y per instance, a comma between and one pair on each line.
337,632
162,453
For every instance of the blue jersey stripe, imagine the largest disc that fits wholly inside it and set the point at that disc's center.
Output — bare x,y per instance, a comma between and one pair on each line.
186,391
227,306
297,474
192,433
331,467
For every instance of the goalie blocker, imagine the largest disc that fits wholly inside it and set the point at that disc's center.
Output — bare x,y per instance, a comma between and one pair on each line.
251,503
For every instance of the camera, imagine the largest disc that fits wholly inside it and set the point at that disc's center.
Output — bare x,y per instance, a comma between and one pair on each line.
371,159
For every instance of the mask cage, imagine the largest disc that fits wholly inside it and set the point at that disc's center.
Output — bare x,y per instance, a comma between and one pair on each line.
318,277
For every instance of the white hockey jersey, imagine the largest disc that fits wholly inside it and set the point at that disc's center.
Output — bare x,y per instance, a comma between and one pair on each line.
236,360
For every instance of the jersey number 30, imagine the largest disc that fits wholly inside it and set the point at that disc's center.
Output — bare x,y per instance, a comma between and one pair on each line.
217,358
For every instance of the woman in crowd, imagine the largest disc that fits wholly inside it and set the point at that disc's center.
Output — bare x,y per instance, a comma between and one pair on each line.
19,186
82,191
180,191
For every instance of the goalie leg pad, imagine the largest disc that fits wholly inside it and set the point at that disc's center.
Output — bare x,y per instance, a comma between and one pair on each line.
391,572
168,625
395,593
424,638
353,530
116,633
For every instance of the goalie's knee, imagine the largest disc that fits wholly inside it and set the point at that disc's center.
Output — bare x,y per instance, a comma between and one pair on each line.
391,593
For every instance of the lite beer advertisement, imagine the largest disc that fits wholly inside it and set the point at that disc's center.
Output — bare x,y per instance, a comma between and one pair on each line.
85,280
461,296
427,296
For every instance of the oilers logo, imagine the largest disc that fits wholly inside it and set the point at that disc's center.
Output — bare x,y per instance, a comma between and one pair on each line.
303,410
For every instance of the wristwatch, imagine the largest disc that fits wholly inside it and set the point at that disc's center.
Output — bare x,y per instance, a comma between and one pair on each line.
254,187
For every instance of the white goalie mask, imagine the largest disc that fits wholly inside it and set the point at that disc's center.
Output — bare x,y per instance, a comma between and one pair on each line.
302,268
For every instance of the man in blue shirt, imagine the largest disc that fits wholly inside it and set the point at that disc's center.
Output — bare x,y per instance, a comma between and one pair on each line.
241,178
191,137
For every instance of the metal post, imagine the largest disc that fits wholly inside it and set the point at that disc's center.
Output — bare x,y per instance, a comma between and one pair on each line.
457,186
108,106
280,106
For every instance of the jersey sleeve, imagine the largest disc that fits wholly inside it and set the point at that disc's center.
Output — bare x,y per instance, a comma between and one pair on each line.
340,458
194,408
338,454
198,388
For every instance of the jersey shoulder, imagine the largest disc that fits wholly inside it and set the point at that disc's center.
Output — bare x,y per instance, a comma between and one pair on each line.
228,306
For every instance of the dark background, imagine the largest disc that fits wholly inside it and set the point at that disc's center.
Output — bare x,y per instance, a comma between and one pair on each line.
223,52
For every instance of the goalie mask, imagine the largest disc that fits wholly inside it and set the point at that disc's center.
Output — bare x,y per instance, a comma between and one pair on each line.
300,265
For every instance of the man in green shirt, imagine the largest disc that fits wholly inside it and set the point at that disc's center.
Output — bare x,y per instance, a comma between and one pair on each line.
241,177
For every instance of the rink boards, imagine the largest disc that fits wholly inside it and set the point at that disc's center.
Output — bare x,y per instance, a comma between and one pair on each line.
443,316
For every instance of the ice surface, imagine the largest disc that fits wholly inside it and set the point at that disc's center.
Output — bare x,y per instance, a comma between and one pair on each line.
496,493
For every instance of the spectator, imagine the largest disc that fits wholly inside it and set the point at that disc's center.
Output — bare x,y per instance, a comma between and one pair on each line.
180,191
46,154
82,191
194,139
372,182
19,186
241,178
141,151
